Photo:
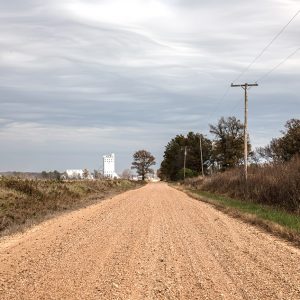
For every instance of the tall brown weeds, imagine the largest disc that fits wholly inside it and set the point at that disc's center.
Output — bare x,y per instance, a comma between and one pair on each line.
272,184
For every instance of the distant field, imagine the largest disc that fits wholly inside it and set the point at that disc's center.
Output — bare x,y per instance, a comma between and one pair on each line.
26,201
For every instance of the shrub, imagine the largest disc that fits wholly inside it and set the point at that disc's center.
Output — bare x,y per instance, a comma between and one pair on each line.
188,174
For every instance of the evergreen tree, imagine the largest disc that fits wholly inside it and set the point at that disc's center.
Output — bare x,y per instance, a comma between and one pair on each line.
174,155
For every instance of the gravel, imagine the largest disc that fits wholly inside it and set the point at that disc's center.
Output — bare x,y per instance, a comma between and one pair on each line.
150,243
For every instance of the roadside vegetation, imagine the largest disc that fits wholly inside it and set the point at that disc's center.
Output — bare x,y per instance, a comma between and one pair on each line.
283,218
26,201
225,151
271,195
274,220
276,185
271,198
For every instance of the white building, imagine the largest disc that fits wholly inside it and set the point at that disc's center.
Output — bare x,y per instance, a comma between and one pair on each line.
78,174
74,174
109,166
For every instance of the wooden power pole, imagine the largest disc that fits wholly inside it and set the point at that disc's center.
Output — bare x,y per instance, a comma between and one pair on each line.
245,88
201,155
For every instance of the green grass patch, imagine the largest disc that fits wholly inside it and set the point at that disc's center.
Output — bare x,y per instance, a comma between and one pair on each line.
281,217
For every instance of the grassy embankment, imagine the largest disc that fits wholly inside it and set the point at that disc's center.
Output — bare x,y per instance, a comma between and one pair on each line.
271,200
25,202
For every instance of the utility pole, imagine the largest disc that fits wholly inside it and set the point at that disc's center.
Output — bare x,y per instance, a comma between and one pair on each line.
201,154
245,88
184,162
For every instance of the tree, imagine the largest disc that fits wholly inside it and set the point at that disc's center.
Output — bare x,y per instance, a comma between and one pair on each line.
283,148
44,175
142,161
52,175
97,174
126,174
174,155
85,174
228,146
55,175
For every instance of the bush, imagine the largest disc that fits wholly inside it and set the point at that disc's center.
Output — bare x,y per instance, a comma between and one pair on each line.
28,187
188,174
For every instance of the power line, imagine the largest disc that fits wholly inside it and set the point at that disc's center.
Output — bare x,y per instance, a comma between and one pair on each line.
266,47
254,60
277,66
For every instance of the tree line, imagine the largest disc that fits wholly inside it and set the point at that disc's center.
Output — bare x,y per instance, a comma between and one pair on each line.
225,150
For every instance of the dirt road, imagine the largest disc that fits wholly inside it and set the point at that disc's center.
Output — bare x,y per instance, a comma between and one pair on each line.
151,243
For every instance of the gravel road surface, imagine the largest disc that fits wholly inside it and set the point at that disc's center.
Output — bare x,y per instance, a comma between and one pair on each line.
150,243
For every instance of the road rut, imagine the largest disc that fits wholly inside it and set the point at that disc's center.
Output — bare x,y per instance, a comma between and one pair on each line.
150,243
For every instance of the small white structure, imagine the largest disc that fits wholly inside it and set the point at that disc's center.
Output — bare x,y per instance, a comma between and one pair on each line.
148,177
74,174
109,166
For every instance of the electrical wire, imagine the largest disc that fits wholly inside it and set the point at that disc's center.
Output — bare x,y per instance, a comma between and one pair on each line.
267,74
277,66
266,47
253,61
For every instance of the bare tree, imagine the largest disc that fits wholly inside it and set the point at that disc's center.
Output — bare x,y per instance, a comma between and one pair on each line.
283,148
85,174
97,174
142,161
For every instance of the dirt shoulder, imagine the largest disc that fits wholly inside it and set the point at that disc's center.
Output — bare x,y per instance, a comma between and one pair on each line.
150,243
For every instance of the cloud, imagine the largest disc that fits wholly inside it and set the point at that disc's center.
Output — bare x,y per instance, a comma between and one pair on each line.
79,79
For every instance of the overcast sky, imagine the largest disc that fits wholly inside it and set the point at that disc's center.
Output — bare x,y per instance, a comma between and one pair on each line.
79,78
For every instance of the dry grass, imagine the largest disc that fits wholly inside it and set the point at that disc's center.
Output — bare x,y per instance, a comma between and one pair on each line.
276,185
23,201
